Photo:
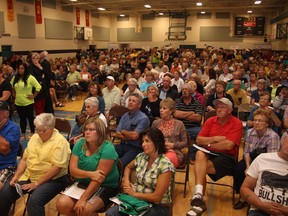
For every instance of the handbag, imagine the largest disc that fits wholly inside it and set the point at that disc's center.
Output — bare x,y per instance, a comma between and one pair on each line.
80,119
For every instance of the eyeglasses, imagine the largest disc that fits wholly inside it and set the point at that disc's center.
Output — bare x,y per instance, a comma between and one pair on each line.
259,121
89,129
41,131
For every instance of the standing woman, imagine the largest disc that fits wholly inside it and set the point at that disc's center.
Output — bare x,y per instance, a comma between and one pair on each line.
43,78
23,84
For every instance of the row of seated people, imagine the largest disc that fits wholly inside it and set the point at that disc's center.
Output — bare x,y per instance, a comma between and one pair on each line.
132,123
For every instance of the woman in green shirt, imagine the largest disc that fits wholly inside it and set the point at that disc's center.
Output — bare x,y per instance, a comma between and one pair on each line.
25,89
94,164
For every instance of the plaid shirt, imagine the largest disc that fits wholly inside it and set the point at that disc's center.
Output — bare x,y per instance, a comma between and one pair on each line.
270,140
147,178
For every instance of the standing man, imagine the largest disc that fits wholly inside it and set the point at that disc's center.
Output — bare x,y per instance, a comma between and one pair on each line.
9,144
128,131
222,135
265,185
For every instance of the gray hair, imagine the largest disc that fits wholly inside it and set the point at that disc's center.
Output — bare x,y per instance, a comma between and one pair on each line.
93,101
138,96
46,120
132,80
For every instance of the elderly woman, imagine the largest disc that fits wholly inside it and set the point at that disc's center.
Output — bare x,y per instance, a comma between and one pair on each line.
255,95
95,91
42,171
196,95
132,88
94,164
260,139
151,105
91,110
153,176
173,130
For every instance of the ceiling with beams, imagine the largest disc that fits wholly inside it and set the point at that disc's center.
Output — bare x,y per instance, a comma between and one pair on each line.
130,7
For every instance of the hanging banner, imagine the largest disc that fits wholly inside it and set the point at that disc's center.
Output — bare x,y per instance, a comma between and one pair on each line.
10,10
87,18
38,12
77,16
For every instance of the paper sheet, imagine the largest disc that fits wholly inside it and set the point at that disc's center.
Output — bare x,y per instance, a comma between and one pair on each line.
74,191
204,150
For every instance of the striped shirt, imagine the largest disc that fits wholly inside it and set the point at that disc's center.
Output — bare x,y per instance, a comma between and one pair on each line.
194,106
147,178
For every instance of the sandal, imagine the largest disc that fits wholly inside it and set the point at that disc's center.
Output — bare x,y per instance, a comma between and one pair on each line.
59,104
198,206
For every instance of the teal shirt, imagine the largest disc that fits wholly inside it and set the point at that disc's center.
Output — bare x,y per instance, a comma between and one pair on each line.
23,90
90,163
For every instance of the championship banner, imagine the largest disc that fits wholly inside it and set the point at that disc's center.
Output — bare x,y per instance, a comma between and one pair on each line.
77,16
87,18
10,10
38,12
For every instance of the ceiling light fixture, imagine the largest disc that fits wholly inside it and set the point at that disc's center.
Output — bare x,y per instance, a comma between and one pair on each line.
199,4
73,0
161,14
122,15
203,12
147,6
101,9
249,11
257,2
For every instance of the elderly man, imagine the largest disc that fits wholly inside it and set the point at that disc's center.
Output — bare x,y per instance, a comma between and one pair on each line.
237,75
265,185
166,90
189,111
42,171
111,94
129,128
238,95
9,144
222,135
73,78
138,77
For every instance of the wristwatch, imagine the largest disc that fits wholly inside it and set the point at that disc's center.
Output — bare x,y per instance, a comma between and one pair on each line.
209,145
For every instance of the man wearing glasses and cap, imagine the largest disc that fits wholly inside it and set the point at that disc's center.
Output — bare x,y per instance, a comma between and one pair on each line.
9,144
220,135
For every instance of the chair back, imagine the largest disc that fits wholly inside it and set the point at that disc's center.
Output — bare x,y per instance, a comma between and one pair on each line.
118,111
209,114
63,125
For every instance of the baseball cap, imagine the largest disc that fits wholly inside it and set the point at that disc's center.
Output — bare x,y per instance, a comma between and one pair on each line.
4,106
110,78
223,100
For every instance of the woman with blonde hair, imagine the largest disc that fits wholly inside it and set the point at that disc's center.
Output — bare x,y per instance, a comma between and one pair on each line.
173,130
151,104
94,164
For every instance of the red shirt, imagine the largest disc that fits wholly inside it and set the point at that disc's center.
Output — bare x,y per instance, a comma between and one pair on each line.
232,130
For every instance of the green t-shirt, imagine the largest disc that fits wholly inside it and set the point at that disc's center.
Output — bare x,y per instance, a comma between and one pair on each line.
90,163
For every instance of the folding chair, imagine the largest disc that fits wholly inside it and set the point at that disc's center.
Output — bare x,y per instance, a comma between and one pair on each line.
63,125
113,117
184,167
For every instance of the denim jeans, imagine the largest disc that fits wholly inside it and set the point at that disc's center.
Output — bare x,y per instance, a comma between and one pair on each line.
38,197
256,213
127,152
155,210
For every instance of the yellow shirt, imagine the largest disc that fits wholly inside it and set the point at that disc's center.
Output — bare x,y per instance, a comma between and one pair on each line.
41,156
239,97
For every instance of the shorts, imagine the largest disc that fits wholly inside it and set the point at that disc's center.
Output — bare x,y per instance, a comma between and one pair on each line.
7,174
104,193
223,164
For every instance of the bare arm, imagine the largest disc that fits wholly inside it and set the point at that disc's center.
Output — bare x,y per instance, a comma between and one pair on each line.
4,146
189,115
249,196
127,135
20,170
217,142
5,95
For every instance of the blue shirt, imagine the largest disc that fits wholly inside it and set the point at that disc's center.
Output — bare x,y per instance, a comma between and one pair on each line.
137,122
11,133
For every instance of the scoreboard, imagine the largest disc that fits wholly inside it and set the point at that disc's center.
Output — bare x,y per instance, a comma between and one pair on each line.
249,26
